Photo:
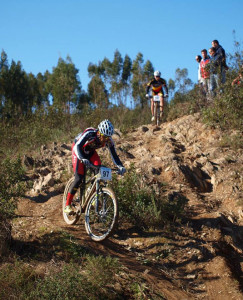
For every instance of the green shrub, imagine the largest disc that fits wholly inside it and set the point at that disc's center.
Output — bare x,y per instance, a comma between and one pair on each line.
17,281
11,186
94,279
91,281
139,203
226,110
233,141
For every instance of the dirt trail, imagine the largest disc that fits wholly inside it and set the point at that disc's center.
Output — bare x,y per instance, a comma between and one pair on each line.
200,260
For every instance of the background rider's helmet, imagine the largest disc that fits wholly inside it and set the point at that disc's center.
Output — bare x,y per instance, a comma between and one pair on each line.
157,73
105,127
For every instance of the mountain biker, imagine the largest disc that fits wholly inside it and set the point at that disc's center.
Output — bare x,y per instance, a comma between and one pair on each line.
84,154
157,84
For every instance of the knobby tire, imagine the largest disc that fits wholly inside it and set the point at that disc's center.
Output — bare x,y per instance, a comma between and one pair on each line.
102,225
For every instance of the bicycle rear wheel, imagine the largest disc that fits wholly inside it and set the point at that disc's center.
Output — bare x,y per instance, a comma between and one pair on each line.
100,223
76,207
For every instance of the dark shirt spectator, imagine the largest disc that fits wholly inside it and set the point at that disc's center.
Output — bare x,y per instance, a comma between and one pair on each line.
214,61
214,71
220,54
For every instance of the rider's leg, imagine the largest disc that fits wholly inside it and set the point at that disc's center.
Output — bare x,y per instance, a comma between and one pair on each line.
161,105
78,168
152,107
74,187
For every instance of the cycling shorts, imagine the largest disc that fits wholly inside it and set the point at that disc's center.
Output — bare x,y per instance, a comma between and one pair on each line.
160,93
78,166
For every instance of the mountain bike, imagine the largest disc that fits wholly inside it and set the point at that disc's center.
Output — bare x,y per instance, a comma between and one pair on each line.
97,201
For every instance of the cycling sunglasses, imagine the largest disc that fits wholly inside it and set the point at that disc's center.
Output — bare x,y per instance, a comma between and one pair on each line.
104,136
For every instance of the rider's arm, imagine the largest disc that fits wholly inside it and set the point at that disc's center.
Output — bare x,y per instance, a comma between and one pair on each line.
80,143
164,86
114,156
148,87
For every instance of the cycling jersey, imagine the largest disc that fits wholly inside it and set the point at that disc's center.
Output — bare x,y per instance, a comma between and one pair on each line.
157,86
87,142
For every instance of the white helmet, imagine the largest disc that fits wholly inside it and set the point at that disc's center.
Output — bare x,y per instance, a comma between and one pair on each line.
105,127
157,73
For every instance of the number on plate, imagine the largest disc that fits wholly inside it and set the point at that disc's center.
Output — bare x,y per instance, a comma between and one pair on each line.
105,173
156,98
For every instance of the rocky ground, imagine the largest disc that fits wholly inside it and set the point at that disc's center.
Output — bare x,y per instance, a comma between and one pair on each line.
202,258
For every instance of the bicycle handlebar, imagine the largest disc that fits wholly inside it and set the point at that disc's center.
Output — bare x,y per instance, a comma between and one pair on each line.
151,97
98,167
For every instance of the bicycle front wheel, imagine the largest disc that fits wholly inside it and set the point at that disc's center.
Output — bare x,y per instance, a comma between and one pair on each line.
156,113
101,217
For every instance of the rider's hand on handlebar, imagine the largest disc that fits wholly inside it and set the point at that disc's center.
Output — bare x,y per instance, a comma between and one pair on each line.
121,170
147,95
86,162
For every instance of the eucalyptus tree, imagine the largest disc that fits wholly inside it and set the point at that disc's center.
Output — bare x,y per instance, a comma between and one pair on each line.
64,84
114,75
15,89
137,78
141,74
126,77
182,82
113,72
97,92
3,67
171,87
43,89
4,61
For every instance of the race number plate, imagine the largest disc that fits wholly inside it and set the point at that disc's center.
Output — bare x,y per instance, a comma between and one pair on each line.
156,98
105,173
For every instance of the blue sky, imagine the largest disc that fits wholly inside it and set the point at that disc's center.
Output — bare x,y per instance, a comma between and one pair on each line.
170,33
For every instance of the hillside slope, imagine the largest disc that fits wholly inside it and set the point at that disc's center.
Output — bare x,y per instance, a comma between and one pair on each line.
202,258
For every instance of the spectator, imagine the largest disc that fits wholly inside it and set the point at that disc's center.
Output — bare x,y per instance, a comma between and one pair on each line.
220,52
214,71
205,74
239,79
198,59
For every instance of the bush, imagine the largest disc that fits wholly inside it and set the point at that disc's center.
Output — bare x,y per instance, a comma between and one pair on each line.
93,280
11,186
16,281
226,111
139,203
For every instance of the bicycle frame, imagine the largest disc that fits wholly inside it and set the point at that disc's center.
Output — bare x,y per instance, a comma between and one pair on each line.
84,199
95,181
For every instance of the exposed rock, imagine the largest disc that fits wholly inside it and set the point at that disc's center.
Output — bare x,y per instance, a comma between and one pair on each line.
48,180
